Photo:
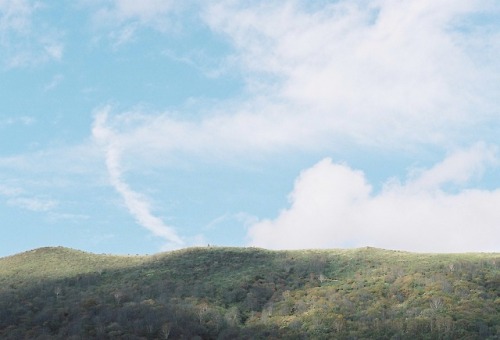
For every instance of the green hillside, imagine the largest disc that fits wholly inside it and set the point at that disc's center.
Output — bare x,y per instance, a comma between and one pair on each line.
249,293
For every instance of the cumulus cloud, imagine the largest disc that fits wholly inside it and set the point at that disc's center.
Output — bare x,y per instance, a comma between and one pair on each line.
333,205
136,203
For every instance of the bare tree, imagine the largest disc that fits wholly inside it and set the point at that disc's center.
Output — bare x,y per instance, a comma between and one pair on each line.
233,316
57,291
165,330
118,295
436,303
201,311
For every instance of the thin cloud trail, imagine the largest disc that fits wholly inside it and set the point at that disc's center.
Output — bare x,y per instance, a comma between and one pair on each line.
136,203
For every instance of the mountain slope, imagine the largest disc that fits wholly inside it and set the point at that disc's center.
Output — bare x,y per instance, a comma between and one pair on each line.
252,293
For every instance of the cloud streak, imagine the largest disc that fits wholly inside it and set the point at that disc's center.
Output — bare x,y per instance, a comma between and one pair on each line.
136,203
333,205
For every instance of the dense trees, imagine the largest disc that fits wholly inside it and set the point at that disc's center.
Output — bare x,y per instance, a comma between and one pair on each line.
230,293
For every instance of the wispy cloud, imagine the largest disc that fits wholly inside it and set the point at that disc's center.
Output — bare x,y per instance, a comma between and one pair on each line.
17,197
136,203
54,49
15,16
374,72
24,120
10,191
386,74
333,205
123,18
24,40
54,82
241,217
33,204
146,11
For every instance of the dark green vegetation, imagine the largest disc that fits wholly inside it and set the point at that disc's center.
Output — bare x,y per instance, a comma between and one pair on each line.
231,293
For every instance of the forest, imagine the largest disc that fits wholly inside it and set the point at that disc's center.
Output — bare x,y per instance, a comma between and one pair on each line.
250,293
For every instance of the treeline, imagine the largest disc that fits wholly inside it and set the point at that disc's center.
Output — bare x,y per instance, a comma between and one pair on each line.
233,293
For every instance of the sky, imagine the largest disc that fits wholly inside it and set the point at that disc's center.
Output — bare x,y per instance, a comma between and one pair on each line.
134,127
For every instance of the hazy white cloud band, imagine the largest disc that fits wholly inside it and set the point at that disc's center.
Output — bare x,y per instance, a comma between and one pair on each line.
386,73
376,71
333,205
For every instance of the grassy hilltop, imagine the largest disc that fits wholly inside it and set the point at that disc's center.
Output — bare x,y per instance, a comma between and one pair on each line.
249,293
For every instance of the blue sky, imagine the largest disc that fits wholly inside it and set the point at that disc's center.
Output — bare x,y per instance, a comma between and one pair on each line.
143,126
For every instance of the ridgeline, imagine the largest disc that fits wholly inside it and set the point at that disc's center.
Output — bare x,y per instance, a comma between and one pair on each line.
250,293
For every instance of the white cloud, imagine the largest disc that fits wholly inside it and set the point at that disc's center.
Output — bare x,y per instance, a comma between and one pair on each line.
381,72
386,73
18,197
394,74
376,72
15,15
10,191
319,76
125,17
33,204
435,209
458,168
54,49
54,82
137,204
24,120
225,134
333,205
24,40
145,10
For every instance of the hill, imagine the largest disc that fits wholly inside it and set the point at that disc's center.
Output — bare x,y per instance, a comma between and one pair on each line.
249,293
